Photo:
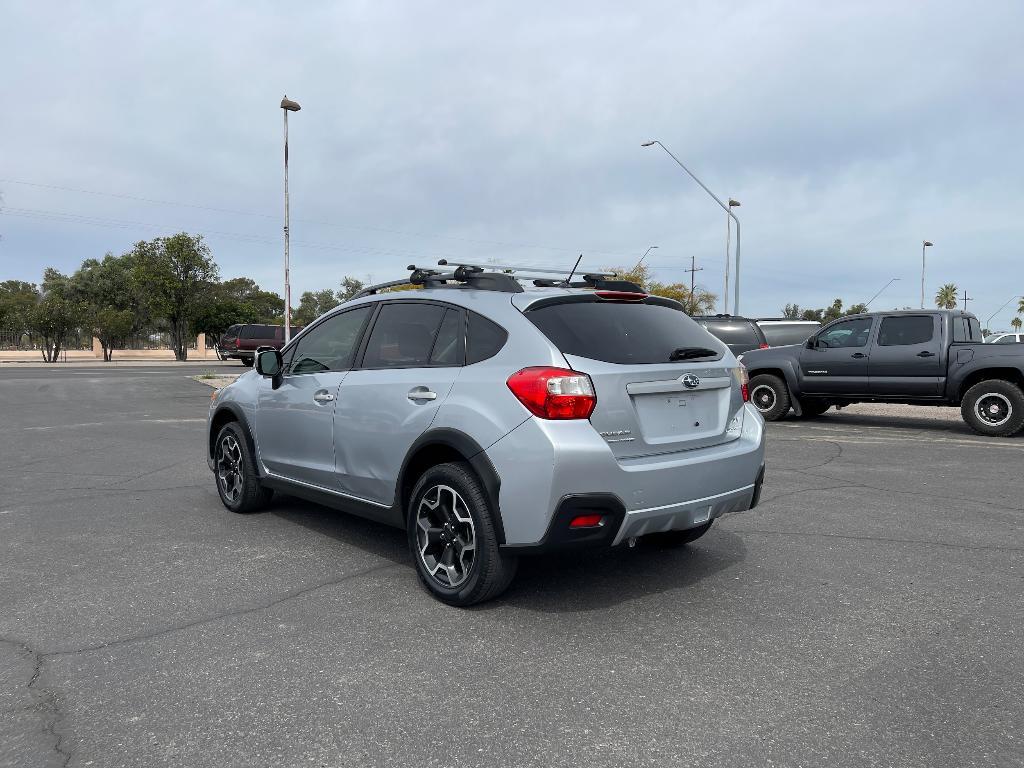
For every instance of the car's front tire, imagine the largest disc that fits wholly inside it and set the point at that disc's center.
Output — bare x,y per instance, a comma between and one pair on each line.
770,396
452,537
235,471
994,408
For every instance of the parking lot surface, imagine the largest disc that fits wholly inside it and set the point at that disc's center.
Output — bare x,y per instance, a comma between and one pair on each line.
868,613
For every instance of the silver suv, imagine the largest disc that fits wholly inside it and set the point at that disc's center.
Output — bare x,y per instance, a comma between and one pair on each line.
490,420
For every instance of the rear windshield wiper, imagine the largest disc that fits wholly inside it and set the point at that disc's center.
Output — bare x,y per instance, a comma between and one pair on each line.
690,353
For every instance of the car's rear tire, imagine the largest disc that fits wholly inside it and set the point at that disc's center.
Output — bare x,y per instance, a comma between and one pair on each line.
235,471
452,537
994,408
770,395
811,409
678,538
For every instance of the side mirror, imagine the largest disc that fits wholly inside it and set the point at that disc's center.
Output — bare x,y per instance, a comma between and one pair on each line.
812,343
269,362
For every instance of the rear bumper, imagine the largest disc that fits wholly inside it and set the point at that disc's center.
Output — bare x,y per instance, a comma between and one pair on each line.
542,463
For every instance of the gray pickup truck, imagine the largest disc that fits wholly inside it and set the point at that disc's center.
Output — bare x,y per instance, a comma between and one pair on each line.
918,357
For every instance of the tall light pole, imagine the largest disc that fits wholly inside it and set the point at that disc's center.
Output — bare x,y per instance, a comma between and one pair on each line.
653,247
989,321
726,208
728,235
287,105
924,244
880,292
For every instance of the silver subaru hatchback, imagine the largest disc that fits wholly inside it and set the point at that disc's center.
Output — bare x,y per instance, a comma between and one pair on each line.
495,414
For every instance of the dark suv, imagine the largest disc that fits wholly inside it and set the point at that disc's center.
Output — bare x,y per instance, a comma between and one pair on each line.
240,342
740,334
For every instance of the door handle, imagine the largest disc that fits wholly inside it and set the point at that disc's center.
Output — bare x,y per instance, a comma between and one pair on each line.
858,355
925,353
421,393
323,396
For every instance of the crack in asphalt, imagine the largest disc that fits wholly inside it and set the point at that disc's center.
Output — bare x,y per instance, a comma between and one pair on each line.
47,702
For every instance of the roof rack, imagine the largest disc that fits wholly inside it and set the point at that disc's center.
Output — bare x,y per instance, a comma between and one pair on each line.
500,277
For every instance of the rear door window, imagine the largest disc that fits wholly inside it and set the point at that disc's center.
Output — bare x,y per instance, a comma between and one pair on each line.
627,333
403,335
905,331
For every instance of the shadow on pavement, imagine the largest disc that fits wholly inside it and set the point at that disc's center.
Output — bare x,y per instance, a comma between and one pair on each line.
563,582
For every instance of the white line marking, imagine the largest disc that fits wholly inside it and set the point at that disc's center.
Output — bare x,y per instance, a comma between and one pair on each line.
116,423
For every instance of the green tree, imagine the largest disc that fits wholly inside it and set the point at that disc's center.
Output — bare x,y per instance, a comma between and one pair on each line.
55,315
813,314
114,301
257,305
1015,324
349,288
177,274
856,309
945,297
832,313
312,304
791,312
17,300
701,302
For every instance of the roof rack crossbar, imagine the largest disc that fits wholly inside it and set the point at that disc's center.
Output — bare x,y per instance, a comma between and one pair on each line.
515,268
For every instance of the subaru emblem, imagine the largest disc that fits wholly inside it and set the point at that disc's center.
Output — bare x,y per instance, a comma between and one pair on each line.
690,381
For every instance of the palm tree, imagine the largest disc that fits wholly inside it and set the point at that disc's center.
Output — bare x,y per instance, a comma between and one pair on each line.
945,298
1015,324
1020,307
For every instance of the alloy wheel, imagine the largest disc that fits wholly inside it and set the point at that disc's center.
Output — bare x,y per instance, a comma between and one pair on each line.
445,536
230,473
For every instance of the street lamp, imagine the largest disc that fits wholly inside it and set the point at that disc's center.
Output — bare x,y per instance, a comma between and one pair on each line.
726,208
988,323
728,234
287,105
924,244
880,292
653,247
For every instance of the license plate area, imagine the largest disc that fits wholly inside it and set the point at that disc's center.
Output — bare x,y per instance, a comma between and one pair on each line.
669,416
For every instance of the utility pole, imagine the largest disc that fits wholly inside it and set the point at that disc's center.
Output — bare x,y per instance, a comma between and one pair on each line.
287,105
693,270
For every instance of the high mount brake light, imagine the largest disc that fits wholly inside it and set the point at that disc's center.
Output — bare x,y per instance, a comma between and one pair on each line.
554,393
620,295
744,383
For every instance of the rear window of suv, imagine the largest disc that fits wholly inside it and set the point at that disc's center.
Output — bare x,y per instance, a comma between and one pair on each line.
627,333
261,332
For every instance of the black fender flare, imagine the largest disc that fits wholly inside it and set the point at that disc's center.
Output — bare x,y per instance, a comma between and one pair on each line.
789,376
239,415
474,455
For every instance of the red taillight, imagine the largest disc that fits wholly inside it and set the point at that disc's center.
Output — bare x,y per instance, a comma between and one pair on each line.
764,346
620,295
554,393
744,383
586,521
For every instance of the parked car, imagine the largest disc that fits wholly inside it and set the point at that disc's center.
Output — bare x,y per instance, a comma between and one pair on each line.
740,334
1005,338
781,332
489,422
240,342
917,356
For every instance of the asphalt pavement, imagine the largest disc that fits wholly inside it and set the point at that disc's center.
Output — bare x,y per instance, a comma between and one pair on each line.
868,613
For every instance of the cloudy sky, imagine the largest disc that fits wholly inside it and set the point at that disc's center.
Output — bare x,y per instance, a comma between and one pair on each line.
512,132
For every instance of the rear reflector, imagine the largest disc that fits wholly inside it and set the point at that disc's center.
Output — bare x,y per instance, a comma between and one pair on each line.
586,521
554,393
621,295
764,346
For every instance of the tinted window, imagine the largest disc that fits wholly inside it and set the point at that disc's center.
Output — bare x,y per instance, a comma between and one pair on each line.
331,345
259,332
849,333
485,339
903,331
403,336
232,331
633,333
1008,339
966,329
784,334
449,343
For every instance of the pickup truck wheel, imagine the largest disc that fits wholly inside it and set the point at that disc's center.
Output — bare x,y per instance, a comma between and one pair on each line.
452,537
994,408
770,396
